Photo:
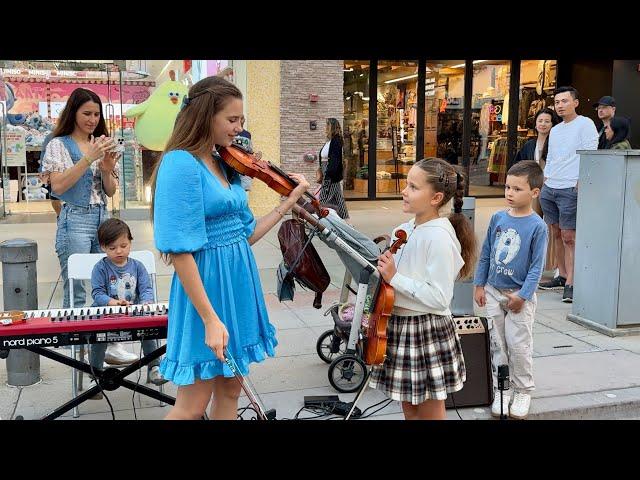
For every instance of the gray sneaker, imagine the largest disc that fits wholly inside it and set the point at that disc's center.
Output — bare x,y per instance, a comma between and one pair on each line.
97,396
556,284
154,376
567,296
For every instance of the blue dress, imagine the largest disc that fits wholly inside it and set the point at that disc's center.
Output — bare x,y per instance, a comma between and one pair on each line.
194,212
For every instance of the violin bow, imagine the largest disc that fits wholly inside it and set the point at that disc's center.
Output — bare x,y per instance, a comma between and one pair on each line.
359,395
231,363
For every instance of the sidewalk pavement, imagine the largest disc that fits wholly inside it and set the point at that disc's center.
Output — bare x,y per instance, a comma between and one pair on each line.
579,373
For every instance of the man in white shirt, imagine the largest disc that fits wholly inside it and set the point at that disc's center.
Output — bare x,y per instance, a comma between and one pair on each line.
559,196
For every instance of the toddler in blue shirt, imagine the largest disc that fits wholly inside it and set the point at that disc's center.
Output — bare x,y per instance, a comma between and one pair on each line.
119,280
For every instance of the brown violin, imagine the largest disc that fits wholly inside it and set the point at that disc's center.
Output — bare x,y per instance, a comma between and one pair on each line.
376,342
247,164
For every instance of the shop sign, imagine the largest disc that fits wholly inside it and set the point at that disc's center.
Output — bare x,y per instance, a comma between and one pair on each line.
45,74
454,103
6,190
430,87
16,148
495,113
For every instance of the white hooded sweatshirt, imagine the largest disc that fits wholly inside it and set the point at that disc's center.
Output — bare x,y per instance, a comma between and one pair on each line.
428,265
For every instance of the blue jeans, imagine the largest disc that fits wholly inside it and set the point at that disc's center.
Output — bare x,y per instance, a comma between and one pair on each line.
77,233
96,357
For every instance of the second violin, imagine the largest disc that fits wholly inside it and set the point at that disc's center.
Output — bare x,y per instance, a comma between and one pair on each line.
376,342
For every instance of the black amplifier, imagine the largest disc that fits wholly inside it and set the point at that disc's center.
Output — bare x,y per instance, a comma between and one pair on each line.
474,337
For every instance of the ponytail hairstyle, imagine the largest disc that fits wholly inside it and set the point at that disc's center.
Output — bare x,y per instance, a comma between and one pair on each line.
450,181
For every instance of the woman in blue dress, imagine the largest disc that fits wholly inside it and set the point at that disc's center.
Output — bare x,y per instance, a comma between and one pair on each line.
203,224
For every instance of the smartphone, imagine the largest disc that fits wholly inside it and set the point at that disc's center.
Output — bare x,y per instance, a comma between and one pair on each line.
120,146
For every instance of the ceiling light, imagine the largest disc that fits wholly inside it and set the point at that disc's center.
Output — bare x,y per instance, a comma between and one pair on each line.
474,62
402,78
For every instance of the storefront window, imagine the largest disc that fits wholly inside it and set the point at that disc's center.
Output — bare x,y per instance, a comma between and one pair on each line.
444,108
36,93
490,116
537,83
397,108
356,127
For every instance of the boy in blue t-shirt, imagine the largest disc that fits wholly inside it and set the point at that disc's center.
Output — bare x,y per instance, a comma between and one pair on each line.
119,280
509,268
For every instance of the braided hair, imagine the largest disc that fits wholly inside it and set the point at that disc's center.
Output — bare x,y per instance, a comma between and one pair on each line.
451,182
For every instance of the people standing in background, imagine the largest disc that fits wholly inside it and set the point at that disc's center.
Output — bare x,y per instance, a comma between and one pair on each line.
243,140
606,108
617,134
559,196
536,149
332,169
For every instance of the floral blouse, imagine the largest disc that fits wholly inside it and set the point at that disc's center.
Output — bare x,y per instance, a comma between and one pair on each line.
57,159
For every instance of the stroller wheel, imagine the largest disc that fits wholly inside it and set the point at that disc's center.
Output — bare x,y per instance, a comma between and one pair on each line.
347,373
329,345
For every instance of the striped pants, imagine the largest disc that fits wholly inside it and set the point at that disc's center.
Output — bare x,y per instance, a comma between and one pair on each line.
331,196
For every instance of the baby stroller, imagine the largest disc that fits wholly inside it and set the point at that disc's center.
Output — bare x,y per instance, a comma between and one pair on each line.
342,347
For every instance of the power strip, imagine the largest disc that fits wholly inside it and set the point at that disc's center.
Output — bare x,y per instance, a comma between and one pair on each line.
343,408
320,401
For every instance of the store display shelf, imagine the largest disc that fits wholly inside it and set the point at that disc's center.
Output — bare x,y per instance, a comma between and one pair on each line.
383,185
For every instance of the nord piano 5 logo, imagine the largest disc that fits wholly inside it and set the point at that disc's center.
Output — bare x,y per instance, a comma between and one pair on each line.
30,342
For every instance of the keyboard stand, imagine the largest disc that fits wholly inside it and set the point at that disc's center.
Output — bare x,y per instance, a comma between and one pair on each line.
109,378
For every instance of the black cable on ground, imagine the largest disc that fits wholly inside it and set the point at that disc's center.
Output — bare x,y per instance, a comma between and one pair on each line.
95,379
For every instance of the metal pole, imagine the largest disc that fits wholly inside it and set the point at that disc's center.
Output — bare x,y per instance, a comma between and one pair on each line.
4,171
123,184
20,292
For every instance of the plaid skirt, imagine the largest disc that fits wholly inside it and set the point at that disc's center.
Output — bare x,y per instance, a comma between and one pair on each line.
424,359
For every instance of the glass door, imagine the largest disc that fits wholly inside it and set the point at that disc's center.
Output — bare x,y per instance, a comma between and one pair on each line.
490,117
397,111
356,128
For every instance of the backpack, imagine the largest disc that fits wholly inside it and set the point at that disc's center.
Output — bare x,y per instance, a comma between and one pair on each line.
301,261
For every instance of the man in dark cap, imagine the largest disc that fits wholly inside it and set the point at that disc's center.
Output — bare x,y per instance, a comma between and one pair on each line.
606,108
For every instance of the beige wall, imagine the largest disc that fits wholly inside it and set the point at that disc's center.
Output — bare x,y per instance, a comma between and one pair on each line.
262,109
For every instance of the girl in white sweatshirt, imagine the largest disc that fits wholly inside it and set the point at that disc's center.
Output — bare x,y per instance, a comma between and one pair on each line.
424,358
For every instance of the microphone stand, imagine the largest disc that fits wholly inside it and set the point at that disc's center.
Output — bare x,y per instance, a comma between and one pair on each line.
503,384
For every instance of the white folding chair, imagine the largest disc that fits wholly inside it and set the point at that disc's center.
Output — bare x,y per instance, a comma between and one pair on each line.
79,267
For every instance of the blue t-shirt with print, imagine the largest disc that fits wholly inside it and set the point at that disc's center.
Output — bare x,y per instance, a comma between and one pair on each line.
513,253
130,282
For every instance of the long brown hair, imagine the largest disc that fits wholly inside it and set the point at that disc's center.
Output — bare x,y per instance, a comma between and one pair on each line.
554,121
334,129
450,181
192,130
67,121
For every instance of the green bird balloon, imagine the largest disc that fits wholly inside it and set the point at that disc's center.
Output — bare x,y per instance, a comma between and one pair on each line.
156,116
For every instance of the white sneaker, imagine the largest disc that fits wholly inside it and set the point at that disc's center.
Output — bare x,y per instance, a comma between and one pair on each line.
495,406
117,355
520,406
